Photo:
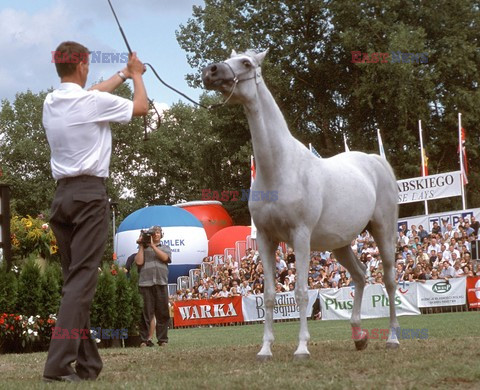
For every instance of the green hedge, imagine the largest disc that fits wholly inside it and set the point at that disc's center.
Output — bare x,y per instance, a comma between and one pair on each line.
29,302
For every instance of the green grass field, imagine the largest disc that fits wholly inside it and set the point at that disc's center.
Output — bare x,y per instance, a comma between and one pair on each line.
225,358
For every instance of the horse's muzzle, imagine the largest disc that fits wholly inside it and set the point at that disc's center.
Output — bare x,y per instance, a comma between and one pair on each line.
214,76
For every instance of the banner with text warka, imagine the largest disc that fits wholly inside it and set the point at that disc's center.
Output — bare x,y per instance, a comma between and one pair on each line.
419,189
207,311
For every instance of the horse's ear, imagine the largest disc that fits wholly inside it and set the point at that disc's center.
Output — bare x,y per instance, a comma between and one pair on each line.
233,53
260,56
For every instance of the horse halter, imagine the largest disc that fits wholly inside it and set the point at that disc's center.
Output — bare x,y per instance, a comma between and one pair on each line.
257,76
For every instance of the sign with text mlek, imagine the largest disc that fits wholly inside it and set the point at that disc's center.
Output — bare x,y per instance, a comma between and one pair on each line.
419,189
207,311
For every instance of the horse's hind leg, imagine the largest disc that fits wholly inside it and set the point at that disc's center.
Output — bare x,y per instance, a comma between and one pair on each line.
347,258
267,254
385,239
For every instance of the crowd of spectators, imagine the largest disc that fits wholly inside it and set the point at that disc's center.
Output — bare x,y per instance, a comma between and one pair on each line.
442,253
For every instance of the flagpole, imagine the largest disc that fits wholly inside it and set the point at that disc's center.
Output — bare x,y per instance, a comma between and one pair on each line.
345,142
460,154
380,145
423,159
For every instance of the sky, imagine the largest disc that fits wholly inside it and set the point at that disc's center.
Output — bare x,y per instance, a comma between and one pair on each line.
31,29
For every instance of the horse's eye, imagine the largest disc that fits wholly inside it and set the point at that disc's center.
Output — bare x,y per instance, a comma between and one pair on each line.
247,64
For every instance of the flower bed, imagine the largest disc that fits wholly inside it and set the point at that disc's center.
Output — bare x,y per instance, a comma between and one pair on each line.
19,333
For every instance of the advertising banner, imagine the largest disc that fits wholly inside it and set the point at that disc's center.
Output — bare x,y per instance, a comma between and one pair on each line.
440,292
285,306
337,304
207,311
473,292
418,189
427,221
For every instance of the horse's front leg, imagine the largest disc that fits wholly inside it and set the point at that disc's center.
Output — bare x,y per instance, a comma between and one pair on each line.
302,256
267,255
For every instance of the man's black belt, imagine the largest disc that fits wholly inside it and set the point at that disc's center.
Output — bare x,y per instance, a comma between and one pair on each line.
81,178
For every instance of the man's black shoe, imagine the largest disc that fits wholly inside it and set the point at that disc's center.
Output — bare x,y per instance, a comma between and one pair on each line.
150,343
62,378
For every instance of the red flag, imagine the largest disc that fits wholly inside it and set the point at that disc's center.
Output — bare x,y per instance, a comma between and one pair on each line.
252,168
463,150
425,164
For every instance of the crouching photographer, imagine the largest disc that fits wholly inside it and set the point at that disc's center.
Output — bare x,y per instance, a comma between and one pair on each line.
153,283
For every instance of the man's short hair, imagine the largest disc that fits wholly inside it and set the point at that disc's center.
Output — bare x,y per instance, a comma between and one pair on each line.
68,55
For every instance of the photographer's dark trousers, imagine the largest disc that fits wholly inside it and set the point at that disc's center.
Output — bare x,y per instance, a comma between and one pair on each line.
155,304
79,219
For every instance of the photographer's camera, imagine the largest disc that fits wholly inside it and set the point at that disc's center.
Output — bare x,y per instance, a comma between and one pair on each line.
147,236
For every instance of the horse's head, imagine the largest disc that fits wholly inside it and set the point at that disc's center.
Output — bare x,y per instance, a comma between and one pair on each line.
237,77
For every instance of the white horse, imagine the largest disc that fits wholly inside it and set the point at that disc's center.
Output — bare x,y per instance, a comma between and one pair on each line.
323,203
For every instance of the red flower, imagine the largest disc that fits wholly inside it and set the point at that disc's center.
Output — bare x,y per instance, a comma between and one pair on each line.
2,321
114,272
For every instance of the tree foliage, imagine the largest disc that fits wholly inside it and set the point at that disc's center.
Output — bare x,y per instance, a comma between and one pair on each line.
24,154
323,95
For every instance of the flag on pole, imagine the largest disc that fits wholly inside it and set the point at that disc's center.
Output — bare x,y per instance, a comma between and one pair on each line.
345,142
463,159
463,156
424,170
312,149
253,174
380,145
252,168
424,166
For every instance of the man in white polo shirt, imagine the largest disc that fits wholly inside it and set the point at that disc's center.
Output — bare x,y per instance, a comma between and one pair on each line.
76,123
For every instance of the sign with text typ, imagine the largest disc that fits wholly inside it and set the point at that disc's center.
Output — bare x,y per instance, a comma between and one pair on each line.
419,189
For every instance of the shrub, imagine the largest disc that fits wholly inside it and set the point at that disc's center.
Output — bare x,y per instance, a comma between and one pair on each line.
51,296
104,311
137,303
29,289
8,290
123,301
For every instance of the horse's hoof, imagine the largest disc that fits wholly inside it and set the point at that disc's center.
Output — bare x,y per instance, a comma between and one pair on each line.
392,345
360,345
264,358
301,356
